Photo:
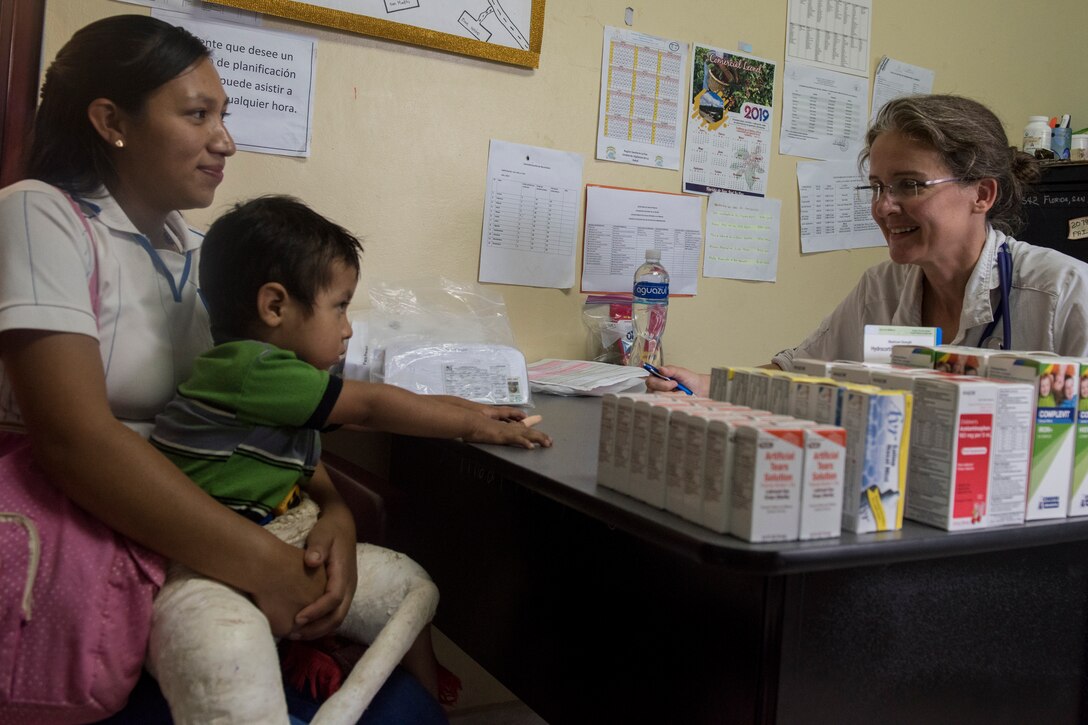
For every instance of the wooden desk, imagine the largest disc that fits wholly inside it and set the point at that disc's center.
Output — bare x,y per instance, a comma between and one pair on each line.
595,608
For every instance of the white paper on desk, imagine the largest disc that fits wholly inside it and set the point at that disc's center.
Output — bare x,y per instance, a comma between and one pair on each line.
582,377
530,226
823,113
642,99
621,224
832,215
895,79
271,95
832,34
741,237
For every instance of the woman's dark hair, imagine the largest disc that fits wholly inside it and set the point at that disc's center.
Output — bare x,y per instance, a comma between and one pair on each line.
971,143
268,239
123,58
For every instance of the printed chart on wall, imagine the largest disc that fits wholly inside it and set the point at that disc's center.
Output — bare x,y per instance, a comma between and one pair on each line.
621,224
530,215
832,34
729,123
833,215
642,99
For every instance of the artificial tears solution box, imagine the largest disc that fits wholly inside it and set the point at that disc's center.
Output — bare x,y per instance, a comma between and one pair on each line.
822,477
1053,438
766,500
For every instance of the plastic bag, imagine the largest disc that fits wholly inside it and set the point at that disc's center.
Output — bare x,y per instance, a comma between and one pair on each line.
610,333
439,337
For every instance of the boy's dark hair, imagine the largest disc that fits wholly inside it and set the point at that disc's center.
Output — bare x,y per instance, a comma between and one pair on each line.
268,239
123,58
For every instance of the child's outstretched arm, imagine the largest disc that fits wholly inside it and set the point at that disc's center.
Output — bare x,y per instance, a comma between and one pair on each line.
388,408
498,412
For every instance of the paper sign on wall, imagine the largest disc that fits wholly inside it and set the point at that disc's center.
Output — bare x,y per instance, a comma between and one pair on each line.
269,79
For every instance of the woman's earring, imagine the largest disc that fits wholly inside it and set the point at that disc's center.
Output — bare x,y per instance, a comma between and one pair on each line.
119,143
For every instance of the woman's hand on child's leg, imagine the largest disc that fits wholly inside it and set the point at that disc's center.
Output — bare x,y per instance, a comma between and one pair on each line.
289,591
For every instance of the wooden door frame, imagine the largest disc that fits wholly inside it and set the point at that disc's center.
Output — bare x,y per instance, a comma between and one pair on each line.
21,25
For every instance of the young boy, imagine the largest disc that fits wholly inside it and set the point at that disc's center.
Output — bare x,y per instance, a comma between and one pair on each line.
277,279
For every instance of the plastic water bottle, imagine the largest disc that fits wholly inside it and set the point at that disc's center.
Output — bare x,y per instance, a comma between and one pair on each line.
649,308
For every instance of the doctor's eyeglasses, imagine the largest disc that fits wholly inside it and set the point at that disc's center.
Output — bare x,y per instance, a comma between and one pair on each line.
903,189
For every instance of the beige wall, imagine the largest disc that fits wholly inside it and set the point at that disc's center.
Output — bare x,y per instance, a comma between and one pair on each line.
410,178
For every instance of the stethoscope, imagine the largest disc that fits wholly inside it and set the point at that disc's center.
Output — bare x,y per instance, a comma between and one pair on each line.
1004,273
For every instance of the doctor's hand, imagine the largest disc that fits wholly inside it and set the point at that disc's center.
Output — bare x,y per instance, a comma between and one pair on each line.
697,383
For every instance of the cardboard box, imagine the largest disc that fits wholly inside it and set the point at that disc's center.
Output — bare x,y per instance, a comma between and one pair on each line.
641,450
808,366
952,436
1011,465
1078,491
693,468
717,505
822,479
607,441
877,424
1053,439
657,461
766,497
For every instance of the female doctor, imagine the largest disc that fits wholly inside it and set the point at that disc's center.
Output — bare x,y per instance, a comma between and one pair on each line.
946,191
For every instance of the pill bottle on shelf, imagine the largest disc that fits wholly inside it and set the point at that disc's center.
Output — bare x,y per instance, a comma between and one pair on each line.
1037,134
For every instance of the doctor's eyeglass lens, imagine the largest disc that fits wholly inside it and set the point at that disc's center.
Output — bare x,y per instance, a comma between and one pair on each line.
902,189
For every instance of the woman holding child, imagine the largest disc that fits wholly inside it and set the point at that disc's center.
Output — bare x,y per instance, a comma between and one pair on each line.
946,191
100,320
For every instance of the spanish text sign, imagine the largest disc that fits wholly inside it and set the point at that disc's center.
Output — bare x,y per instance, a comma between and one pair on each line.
269,79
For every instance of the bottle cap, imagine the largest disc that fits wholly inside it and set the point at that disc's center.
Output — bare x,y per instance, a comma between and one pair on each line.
1034,119
653,255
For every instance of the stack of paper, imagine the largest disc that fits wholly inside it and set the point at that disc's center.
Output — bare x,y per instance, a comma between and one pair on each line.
581,377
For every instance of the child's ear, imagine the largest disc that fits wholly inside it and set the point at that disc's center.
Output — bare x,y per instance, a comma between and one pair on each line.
271,300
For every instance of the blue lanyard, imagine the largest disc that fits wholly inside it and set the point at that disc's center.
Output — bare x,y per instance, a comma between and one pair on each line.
1004,273
175,287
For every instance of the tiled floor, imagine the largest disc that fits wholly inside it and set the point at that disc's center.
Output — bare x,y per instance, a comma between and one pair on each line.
483,700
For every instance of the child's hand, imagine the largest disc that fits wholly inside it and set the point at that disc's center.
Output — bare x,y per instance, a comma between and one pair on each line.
502,412
508,434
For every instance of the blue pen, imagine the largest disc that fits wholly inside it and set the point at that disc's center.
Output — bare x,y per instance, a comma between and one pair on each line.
658,374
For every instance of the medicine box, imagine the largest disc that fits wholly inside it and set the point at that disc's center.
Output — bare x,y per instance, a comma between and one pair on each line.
897,377
808,366
616,473
803,395
721,377
952,436
693,468
1010,468
641,452
683,471
657,461
877,424
766,498
1078,492
822,477
1053,439
607,442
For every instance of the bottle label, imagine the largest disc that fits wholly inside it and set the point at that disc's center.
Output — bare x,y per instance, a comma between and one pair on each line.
651,292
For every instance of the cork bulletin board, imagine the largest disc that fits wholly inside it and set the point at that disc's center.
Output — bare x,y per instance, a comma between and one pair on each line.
507,31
